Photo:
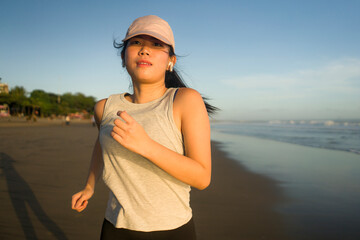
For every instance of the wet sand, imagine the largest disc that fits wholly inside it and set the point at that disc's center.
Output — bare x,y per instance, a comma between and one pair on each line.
42,164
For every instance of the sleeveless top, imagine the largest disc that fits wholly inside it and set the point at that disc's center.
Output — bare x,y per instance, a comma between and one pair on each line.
143,197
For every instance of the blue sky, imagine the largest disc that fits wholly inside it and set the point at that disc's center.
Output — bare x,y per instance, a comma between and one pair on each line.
254,59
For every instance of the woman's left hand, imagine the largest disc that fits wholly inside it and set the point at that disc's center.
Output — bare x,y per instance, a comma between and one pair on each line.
130,133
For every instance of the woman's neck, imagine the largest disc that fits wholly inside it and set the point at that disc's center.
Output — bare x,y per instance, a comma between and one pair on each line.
144,93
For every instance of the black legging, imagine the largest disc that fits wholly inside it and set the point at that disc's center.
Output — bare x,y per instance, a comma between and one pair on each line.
185,232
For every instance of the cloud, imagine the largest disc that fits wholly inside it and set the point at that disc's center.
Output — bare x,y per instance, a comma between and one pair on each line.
340,77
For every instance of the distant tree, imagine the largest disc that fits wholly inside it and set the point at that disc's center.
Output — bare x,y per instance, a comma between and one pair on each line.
78,102
18,93
18,100
4,98
42,100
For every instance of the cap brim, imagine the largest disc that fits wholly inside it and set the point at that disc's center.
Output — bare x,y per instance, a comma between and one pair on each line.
151,34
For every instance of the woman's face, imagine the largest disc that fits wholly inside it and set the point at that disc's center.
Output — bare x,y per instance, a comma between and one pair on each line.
147,59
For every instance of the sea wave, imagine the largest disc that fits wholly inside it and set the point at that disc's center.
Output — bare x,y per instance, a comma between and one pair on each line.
329,134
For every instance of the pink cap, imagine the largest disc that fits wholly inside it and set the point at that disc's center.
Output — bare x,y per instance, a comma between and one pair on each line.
153,26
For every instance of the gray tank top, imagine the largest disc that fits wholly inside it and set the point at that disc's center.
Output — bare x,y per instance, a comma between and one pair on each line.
143,197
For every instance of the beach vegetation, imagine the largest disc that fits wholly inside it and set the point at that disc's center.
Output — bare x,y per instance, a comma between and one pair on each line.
45,104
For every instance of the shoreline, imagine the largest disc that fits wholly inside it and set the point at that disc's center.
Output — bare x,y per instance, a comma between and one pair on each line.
42,165
238,204
23,122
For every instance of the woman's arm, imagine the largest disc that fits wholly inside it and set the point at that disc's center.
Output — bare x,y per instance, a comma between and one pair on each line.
195,167
80,199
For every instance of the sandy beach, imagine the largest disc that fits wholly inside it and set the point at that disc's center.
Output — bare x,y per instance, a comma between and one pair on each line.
42,164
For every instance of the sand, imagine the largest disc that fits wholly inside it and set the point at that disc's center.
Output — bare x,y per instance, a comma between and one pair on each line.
42,164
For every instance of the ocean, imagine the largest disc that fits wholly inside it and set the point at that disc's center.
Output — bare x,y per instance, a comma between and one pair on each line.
316,164
341,135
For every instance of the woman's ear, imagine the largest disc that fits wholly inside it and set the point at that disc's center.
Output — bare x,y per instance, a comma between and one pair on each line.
173,59
171,63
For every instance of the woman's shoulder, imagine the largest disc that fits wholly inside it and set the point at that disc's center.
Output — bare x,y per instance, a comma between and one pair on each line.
99,110
188,96
99,105
188,103
188,100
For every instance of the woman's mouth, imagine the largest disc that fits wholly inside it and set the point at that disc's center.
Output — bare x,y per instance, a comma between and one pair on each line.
143,63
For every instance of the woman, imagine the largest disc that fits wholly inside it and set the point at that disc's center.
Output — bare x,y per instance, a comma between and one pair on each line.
153,145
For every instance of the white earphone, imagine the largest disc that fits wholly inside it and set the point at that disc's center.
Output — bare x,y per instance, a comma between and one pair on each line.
171,66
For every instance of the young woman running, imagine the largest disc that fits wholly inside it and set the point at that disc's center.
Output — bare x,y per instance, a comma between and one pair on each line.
153,144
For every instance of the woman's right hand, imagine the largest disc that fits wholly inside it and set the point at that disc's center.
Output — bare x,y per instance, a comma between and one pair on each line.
80,200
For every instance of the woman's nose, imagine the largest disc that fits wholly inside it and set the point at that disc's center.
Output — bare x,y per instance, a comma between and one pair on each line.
144,51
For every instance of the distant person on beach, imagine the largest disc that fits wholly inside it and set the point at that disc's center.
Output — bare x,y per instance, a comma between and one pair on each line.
67,120
153,144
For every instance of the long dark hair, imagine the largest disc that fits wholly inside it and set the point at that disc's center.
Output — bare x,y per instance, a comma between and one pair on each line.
172,79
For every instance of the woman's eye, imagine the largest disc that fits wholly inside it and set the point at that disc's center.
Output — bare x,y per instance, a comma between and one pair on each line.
156,44
135,42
